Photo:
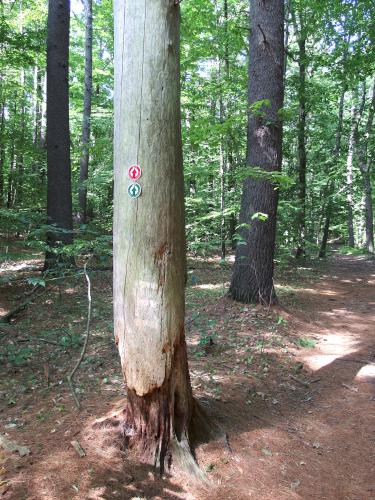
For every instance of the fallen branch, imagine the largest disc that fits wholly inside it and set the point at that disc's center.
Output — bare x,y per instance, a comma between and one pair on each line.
72,373
36,339
8,316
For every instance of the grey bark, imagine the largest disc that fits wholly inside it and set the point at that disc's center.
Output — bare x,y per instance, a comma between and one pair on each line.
252,279
349,168
2,152
365,165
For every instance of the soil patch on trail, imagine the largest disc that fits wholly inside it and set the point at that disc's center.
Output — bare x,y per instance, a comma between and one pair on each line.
293,388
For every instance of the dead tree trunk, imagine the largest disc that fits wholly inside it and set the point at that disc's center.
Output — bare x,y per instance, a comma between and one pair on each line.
252,279
149,234
84,164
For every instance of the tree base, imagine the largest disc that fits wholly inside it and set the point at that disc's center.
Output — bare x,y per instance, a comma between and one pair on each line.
156,440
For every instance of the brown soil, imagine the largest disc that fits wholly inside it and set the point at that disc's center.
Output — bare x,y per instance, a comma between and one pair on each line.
299,419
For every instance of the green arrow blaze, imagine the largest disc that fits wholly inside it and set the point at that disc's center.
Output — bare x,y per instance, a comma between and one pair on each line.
134,190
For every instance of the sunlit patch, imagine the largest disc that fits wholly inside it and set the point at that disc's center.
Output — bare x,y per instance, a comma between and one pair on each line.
366,372
211,286
335,346
6,268
321,360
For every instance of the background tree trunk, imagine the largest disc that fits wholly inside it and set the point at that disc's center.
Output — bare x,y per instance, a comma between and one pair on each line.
2,152
252,279
59,197
336,154
84,164
365,162
302,159
349,169
149,234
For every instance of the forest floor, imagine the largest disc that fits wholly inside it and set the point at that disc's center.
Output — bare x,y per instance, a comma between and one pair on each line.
293,386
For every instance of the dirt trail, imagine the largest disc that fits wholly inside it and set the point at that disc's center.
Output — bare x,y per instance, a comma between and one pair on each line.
295,432
318,442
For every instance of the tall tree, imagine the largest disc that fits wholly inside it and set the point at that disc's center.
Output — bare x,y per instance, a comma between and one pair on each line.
252,279
84,164
349,167
59,197
149,234
365,163
302,155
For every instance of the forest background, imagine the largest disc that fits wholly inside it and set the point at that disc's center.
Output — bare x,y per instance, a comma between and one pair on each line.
326,180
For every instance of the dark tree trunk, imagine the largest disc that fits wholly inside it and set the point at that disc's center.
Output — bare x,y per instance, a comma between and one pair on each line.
302,160
252,279
323,245
59,197
84,164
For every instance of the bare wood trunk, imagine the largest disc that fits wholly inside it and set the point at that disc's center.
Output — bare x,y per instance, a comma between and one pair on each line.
84,163
252,279
149,234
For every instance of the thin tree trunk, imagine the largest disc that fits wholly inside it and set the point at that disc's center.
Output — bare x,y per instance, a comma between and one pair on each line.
252,279
38,108
302,158
59,196
21,145
2,153
149,234
336,154
349,169
365,164
84,164
12,160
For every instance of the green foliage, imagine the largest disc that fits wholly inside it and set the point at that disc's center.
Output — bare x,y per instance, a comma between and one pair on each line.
215,110
306,343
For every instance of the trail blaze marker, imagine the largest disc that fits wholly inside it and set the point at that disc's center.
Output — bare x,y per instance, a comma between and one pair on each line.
134,172
134,190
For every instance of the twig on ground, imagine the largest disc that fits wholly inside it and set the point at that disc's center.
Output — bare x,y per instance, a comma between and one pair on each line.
302,382
72,373
8,316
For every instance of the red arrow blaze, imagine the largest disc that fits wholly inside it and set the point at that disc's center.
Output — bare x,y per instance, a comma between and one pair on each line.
134,172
